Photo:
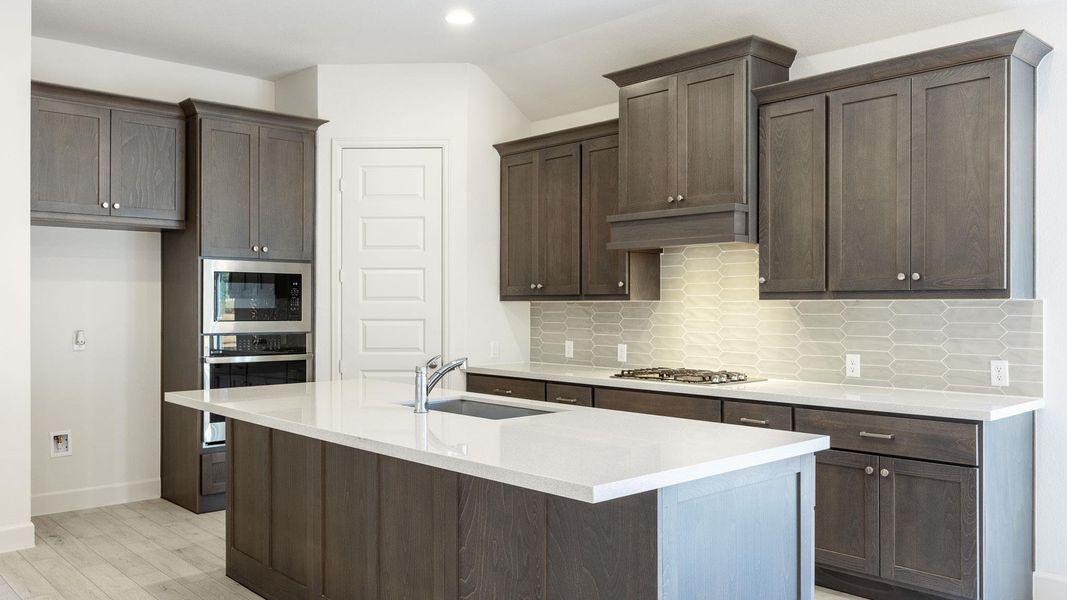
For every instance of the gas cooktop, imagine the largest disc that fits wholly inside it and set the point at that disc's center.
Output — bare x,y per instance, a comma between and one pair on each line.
685,375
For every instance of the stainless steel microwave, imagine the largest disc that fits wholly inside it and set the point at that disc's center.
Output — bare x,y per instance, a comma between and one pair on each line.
245,296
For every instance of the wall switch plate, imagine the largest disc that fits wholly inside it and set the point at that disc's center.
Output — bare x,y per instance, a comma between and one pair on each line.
852,365
494,349
61,444
622,353
79,340
998,373
568,349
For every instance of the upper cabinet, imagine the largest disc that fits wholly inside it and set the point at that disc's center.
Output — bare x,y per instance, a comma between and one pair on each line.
253,182
556,192
100,160
687,135
929,190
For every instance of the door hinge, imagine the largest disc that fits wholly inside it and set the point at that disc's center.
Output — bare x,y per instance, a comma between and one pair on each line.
340,275
341,185
340,366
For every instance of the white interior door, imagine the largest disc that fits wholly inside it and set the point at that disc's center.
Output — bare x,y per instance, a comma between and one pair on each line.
391,261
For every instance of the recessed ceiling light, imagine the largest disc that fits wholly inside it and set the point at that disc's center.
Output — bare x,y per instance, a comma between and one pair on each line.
459,16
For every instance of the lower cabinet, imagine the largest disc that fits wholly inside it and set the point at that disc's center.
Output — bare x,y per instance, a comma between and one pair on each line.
652,403
560,393
906,521
508,387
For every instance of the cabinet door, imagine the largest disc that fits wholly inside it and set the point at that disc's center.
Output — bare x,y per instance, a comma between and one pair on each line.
229,173
846,511
929,526
518,224
648,145
147,166
959,170
603,270
651,403
712,150
286,193
70,156
792,191
870,187
559,221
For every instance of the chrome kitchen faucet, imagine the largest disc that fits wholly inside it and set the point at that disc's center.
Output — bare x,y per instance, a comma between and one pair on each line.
424,383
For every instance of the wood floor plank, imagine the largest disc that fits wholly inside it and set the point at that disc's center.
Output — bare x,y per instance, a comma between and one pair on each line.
68,581
26,581
6,593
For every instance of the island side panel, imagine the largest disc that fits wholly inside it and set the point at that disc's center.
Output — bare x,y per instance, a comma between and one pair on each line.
350,505
747,535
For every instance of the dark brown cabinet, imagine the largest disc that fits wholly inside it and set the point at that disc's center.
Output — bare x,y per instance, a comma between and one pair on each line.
506,386
255,182
556,193
792,192
930,188
653,403
770,416
687,127
846,511
560,393
100,160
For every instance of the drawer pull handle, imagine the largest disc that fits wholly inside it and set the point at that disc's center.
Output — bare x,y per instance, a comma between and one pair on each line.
749,421
566,400
877,436
501,391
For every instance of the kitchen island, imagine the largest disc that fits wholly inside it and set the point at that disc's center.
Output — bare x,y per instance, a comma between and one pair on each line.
338,492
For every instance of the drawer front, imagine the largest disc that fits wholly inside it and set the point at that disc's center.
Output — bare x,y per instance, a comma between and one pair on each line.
569,394
668,405
897,436
506,386
213,473
770,416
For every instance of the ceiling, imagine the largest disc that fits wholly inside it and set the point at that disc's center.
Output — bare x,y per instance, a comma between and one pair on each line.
547,55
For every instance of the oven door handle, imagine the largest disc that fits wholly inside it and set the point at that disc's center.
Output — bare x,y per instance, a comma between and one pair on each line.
257,358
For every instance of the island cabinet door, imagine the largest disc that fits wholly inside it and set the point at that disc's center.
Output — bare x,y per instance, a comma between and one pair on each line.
846,511
929,526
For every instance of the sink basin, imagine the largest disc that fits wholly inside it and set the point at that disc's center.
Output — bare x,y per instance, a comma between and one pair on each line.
483,410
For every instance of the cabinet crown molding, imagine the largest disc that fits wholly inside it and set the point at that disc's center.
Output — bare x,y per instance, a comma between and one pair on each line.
54,91
1018,44
557,138
204,108
752,45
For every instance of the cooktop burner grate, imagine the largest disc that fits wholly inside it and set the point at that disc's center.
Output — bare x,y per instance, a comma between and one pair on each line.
684,375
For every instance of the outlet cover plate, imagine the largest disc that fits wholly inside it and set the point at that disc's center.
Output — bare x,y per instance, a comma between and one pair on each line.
61,444
568,348
622,353
852,365
999,373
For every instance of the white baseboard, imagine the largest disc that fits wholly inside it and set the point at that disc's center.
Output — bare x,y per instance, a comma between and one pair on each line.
16,537
92,497
1049,587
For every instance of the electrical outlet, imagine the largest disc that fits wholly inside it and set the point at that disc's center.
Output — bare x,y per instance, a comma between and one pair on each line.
79,340
61,444
622,353
568,349
998,373
494,349
852,365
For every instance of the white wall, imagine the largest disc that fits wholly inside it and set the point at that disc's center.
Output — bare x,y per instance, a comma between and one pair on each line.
452,103
575,119
16,531
107,283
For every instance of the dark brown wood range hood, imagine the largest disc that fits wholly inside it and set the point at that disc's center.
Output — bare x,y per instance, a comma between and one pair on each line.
688,151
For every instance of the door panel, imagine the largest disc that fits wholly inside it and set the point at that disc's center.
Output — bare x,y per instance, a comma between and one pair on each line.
870,187
959,172
286,193
391,244
518,224
711,134
559,221
929,526
147,166
792,191
70,156
846,511
648,137
229,189
603,270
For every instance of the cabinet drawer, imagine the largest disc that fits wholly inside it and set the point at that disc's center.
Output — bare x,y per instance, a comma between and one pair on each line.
213,473
771,416
506,386
569,394
668,405
898,436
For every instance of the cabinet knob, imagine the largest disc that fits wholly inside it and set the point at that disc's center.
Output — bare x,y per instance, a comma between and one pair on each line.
266,249
622,284
884,472
116,206
679,198
869,470
670,199
901,277
533,286
539,286
105,204
255,248
763,280
915,277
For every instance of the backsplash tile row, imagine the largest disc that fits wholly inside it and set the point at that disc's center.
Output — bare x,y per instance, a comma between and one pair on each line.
710,316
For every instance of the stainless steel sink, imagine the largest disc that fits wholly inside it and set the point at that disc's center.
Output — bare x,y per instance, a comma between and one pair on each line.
482,410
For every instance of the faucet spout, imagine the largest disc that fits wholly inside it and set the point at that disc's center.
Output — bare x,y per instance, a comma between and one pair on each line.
425,382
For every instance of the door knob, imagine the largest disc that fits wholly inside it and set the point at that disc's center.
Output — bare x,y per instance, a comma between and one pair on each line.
105,205
915,277
869,470
901,277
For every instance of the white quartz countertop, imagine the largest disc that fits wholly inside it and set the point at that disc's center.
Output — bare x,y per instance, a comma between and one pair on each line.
581,453
922,403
